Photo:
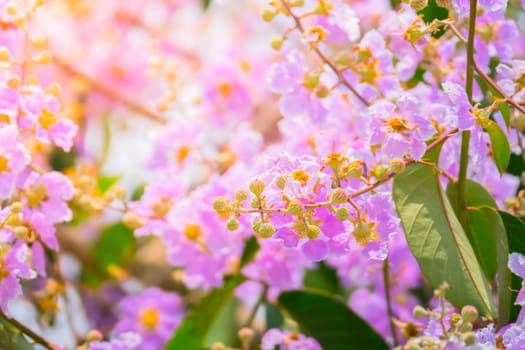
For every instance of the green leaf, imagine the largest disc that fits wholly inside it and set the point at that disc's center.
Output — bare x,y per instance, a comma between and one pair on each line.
330,321
505,112
323,277
486,232
437,239
250,250
515,228
482,239
116,245
104,183
192,333
500,145
274,318
206,4
11,338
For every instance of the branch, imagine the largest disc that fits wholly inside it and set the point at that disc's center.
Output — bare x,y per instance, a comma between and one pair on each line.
325,59
37,338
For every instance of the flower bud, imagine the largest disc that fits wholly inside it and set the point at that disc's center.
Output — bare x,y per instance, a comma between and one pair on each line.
257,187
397,165
312,231
221,205
469,313
342,213
419,312
256,224
311,80
132,220
322,91
277,42
21,232
241,195
295,208
255,202
12,220
94,335
418,5
218,346
281,182
339,196
245,335
469,338
232,224
268,15
266,230
444,3
16,207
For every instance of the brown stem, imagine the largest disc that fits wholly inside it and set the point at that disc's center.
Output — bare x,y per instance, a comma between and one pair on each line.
36,338
325,59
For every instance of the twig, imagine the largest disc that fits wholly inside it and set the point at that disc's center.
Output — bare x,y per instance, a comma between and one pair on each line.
325,59
37,338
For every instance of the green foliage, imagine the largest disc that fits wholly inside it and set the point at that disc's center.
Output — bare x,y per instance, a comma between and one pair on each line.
192,333
500,146
515,229
11,338
104,183
483,240
116,246
324,278
437,239
206,4
250,250
330,321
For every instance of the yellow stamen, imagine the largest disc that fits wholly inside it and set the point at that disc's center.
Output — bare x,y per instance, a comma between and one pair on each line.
149,318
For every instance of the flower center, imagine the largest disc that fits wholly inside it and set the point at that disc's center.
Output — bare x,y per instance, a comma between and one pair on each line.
182,153
300,176
4,164
225,89
398,125
150,318
192,232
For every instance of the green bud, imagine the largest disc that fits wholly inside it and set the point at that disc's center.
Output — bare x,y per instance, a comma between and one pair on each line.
379,172
267,15
13,220
469,313
257,187
266,230
311,80
241,195
295,208
297,3
322,91
16,207
255,202
397,165
21,232
221,205
94,335
277,42
132,220
313,231
232,224
339,196
256,224
419,312
418,5
281,182
342,213
245,335
469,338
465,327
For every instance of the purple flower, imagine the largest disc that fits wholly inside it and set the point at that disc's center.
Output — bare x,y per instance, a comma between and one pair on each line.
154,315
14,266
45,202
13,159
287,340
124,341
